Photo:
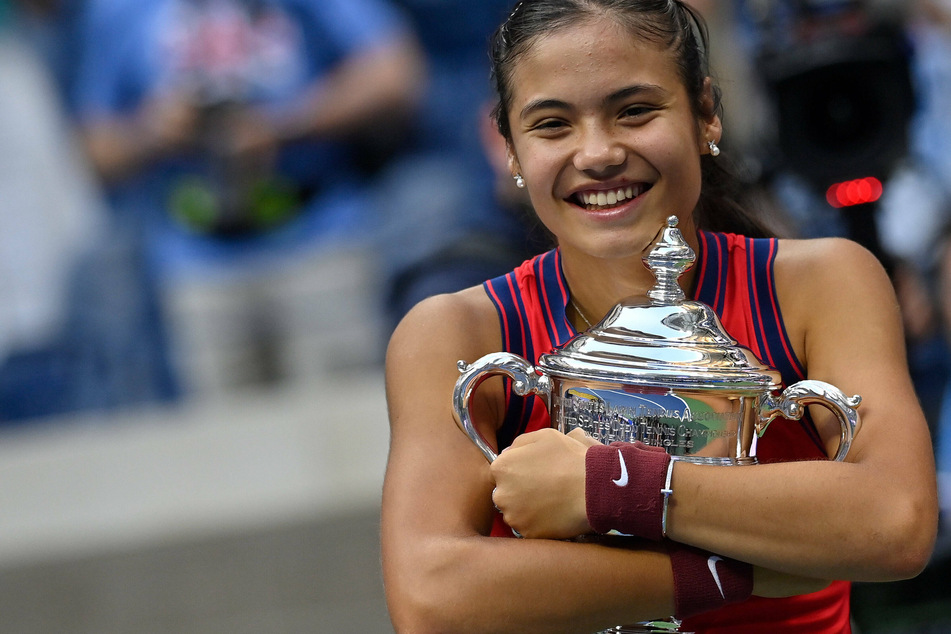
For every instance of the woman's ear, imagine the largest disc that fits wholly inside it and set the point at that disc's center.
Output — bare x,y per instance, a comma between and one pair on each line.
711,128
514,167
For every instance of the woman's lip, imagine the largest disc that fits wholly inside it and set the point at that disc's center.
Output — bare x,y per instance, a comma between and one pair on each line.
609,213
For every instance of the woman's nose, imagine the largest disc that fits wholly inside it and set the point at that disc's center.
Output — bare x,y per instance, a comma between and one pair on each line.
599,152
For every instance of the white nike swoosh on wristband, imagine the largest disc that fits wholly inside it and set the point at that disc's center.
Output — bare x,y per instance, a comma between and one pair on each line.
622,481
712,565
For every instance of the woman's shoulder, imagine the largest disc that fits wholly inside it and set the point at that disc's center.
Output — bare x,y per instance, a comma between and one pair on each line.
464,325
827,259
822,279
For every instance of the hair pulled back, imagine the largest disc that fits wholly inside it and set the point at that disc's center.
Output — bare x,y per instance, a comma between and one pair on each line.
671,23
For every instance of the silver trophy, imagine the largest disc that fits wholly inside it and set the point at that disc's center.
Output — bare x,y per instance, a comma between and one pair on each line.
663,371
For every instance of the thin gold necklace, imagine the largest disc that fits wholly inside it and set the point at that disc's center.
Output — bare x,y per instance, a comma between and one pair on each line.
571,300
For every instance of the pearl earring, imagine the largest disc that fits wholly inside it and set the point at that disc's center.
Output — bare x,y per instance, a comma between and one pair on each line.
519,181
714,148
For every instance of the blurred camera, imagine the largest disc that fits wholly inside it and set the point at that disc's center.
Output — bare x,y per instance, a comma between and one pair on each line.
838,75
234,194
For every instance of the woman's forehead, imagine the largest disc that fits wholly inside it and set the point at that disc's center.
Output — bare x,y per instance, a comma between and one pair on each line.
597,54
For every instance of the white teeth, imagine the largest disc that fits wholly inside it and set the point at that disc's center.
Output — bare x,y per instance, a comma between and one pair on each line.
603,199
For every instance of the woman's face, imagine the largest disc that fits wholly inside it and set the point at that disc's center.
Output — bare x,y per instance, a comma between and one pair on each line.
606,138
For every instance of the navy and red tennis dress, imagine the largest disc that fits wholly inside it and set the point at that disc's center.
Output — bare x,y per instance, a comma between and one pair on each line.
735,278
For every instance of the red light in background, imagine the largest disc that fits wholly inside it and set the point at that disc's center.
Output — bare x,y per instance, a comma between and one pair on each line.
857,192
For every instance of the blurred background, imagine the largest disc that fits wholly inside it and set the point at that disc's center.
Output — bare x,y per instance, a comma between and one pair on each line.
213,213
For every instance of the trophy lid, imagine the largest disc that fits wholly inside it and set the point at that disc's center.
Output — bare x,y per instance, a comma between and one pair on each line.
662,340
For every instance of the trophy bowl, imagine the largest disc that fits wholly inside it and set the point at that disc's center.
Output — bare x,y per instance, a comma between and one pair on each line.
661,370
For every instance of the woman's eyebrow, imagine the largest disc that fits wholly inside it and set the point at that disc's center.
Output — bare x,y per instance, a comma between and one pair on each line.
633,91
543,104
619,95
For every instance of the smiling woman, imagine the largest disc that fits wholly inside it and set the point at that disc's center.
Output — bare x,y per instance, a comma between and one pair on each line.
612,123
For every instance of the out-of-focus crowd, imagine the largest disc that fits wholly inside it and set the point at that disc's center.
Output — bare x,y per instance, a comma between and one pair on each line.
147,144
154,147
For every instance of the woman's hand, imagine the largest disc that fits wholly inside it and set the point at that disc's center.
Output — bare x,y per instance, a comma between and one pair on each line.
539,484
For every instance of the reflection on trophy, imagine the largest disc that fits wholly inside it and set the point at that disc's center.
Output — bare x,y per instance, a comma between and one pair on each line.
660,370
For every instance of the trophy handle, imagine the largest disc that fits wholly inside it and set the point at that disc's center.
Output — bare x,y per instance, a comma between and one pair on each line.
526,380
791,404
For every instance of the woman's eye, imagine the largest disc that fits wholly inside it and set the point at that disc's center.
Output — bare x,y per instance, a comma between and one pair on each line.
549,125
637,111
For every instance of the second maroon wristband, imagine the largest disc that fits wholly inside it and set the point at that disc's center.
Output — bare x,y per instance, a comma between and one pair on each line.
704,581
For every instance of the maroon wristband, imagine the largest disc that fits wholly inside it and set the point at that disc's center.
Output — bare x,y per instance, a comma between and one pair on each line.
623,483
704,581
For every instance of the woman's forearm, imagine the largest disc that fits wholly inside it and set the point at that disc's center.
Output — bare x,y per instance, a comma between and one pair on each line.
840,521
482,584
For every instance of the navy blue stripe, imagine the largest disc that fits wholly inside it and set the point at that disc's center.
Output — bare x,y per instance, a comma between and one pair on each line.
773,331
699,285
764,256
557,299
756,297
498,291
541,288
512,305
711,258
723,264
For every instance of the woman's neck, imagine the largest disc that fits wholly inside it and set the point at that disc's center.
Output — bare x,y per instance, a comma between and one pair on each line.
598,284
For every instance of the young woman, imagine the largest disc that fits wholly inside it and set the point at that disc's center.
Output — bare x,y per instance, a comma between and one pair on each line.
612,126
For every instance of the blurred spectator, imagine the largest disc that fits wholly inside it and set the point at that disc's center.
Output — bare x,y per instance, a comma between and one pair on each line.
919,203
49,26
917,207
235,136
52,217
943,433
932,32
448,226
928,353
232,117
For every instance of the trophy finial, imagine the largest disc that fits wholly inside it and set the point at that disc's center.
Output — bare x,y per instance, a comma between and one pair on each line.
668,259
